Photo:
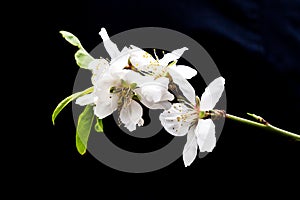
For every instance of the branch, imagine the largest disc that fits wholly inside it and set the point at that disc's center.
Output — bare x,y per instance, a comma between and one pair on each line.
264,125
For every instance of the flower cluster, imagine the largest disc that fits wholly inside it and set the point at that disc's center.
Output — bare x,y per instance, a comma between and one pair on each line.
132,77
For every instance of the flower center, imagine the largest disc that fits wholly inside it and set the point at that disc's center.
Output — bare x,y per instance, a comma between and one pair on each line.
125,93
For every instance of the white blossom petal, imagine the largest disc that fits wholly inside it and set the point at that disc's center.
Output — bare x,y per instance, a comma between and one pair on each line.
185,71
190,148
86,99
121,61
156,90
154,97
165,105
106,105
106,82
176,120
125,50
131,115
98,67
134,77
110,47
212,94
167,96
140,58
205,132
162,104
153,92
163,82
185,87
174,55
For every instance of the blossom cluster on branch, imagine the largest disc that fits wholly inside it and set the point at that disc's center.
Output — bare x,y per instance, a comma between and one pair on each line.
132,77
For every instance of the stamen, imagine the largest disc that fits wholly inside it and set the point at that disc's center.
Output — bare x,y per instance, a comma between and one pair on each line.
156,57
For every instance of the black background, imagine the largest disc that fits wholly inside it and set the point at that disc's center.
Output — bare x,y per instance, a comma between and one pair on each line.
262,77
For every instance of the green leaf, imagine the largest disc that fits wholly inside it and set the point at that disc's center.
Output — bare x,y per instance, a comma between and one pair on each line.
83,58
84,125
67,100
71,38
99,125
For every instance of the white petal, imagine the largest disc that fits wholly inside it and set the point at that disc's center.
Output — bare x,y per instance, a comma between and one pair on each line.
125,50
134,77
119,62
174,122
140,58
156,90
110,47
167,96
131,115
106,105
185,71
164,105
144,81
106,82
174,55
163,81
98,67
205,132
154,93
86,99
190,148
212,94
97,64
156,99
185,87
118,74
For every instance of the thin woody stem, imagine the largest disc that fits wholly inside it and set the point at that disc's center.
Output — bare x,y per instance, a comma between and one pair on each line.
263,124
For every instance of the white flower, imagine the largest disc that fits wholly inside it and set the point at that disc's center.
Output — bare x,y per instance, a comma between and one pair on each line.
164,67
159,67
116,88
182,119
154,93
98,68
119,90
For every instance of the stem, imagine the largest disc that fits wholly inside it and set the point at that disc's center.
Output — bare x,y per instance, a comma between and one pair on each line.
265,126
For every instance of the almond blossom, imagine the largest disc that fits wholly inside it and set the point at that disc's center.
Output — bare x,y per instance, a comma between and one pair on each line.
118,88
192,120
144,63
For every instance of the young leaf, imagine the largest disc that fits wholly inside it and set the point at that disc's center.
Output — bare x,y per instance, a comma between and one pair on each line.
71,38
85,121
67,100
83,58
99,125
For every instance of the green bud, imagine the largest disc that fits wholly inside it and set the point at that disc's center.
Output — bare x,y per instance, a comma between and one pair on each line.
202,114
